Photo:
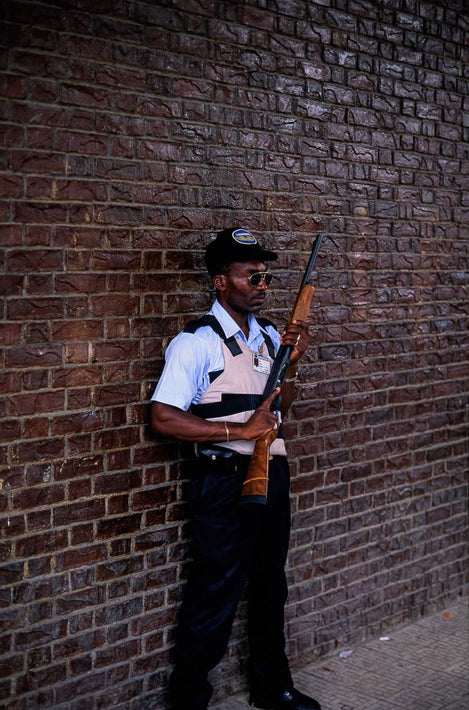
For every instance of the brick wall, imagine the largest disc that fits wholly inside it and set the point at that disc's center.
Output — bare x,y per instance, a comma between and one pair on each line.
132,131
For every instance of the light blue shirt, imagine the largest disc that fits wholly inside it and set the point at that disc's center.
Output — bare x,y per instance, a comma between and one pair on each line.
190,357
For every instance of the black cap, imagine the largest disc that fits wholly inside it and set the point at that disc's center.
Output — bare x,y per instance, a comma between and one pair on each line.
233,245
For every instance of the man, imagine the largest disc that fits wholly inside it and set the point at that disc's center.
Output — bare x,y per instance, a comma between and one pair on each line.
210,394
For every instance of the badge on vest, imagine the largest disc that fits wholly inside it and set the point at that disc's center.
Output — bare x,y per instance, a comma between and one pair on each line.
260,363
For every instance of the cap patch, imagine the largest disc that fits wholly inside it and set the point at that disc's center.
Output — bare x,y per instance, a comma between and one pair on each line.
242,236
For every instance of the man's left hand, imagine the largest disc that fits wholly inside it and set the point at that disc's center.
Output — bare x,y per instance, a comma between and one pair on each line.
297,336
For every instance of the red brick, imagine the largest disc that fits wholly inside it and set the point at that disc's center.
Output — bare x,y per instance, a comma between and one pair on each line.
76,353
85,643
42,449
77,142
37,403
112,395
79,398
91,97
77,330
80,190
121,350
90,555
152,498
35,497
40,544
76,376
79,444
35,308
75,512
40,284
114,305
38,428
10,186
127,260
79,422
37,332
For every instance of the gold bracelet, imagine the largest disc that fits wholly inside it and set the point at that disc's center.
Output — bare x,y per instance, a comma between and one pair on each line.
227,433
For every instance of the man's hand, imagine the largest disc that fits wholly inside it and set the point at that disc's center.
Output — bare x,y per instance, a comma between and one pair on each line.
297,336
262,420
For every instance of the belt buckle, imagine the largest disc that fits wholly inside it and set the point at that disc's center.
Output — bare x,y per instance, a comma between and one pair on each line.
214,453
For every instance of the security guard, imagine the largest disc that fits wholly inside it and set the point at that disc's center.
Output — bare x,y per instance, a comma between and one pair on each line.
210,393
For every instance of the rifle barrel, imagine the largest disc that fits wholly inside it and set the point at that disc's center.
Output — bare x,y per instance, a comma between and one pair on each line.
312,259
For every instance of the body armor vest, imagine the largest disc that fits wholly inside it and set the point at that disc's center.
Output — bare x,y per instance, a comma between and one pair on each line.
236,391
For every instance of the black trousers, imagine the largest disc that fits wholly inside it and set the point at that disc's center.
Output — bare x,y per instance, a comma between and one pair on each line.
234,542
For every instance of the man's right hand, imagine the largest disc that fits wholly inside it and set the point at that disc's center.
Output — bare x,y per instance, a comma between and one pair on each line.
262,420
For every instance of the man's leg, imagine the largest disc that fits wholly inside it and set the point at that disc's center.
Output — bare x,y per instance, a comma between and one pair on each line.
269,672
222,533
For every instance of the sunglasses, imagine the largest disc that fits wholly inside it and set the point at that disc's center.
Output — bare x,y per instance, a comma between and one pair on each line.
255,279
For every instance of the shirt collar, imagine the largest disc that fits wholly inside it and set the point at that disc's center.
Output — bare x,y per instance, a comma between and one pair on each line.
230,326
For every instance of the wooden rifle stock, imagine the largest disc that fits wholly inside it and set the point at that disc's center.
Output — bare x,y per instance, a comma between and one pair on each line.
256,483
257,479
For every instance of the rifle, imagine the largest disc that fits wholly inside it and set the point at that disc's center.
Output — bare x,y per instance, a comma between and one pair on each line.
257,479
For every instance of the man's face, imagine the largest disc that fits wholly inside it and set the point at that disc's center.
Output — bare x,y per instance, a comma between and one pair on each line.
236,291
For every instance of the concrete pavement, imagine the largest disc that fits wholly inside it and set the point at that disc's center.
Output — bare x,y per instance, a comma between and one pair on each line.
423,666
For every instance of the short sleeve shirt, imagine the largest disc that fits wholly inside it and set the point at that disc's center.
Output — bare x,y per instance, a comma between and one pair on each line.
190,357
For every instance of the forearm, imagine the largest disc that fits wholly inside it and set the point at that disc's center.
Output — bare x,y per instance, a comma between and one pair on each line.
172,422
289,389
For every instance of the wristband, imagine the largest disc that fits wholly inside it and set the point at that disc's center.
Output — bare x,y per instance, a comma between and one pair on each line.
292,379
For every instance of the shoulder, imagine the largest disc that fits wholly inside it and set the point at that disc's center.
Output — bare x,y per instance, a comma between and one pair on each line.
266,323
206,321
193,343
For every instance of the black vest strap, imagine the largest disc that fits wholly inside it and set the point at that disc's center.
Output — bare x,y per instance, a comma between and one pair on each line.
233,346
269,343
264,322
207,319
231,342
229,404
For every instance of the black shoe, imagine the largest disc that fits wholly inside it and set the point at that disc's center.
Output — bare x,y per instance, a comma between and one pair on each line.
289,700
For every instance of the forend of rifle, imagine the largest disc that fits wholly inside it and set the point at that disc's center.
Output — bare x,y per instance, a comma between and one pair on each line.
300,311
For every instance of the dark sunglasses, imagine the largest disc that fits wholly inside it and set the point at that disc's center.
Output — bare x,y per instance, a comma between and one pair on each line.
255,279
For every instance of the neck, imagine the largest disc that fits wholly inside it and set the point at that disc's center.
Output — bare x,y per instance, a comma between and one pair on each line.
240,318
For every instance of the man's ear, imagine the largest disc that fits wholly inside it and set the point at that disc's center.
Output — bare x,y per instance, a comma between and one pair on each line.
219,282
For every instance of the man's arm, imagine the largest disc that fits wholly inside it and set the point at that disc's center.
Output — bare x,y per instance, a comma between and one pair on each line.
297,336
172,422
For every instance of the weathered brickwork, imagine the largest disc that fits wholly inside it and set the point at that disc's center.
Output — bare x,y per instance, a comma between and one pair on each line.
133,130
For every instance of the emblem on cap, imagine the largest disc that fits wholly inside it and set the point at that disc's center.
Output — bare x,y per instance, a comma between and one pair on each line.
242,236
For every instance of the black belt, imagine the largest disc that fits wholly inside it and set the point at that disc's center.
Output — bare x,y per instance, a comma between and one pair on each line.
212,457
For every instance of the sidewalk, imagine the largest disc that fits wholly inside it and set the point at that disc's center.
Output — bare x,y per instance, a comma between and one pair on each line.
423,666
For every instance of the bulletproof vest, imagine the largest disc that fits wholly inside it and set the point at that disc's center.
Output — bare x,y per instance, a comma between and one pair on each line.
236,391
